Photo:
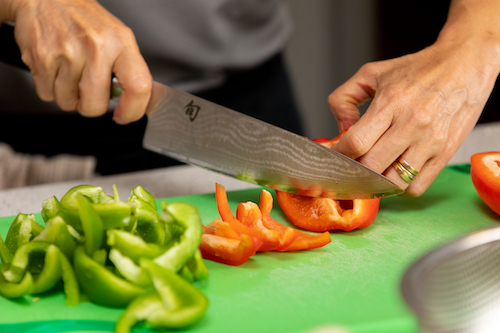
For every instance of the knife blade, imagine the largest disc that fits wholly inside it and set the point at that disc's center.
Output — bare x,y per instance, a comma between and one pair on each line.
198,132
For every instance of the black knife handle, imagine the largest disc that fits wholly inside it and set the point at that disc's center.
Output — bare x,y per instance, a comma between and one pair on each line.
9,50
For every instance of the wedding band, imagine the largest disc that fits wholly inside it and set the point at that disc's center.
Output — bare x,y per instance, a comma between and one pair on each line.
407,166
405,174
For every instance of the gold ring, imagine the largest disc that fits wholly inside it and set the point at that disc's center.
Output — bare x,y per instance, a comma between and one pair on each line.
406,175
407,166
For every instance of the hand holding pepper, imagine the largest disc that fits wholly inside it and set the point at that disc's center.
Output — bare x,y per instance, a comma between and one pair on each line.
424,104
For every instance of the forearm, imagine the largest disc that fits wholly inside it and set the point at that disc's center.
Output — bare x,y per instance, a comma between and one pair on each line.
475,24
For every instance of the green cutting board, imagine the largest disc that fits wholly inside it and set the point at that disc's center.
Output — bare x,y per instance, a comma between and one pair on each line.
353,282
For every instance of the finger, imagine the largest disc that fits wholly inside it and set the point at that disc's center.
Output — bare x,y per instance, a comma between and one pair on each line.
66,91
133,74
407,168
360,137
428,173
344,100
94,87
44,71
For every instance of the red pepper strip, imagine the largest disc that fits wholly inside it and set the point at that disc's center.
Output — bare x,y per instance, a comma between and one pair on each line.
228,251
249,214
301,240
227,216
220,228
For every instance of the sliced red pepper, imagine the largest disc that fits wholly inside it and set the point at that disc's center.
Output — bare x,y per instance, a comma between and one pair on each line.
485,175
222,229
293,239
228,251
227,216
249,214
324,214
316,212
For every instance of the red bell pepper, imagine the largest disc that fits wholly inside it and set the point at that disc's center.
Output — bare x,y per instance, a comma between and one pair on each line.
293,239
232,240
324,214
269,242
227,250
485,175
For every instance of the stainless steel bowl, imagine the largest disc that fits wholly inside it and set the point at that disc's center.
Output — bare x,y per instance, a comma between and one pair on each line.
456,287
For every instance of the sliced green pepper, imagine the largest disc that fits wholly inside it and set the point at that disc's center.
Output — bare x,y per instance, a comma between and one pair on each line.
176,303
37,267
51,208
23,229
56,232
140,193
30,256
128,269
15,290
69,202
5,254
91,224
181,252
51,271
149,225
100,284
197,267
71,288
116,214
132,246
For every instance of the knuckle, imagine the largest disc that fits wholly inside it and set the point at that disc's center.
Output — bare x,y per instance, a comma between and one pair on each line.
373,164
140,85
356,145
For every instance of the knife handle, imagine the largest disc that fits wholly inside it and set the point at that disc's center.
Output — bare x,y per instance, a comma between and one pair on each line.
11,54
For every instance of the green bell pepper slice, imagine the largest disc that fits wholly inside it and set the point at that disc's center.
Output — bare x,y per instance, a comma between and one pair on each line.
22,230
71,287
197,267
51,208
132,246
93,229
100,284
182,251
51,271
5,254
30,256
57,232
44,264
128,268
176,304
15,290
69,202
149,225
140,193
116,214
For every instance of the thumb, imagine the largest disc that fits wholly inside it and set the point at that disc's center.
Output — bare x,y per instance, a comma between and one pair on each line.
344,101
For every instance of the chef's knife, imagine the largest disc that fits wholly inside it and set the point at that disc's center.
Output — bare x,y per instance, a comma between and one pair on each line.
196,131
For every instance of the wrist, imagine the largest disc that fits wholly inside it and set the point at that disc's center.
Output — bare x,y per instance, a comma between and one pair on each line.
473,27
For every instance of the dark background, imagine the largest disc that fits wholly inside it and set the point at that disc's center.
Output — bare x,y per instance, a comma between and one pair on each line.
408,26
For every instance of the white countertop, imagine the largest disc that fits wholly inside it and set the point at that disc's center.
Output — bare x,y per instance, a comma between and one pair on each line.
188,180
